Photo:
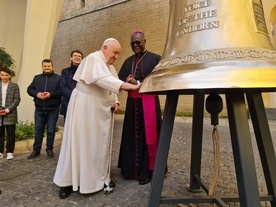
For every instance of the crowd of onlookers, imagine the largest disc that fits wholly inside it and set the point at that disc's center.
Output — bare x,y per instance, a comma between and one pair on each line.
48,90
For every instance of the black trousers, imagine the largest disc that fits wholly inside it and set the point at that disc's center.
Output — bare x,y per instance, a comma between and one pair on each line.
10,144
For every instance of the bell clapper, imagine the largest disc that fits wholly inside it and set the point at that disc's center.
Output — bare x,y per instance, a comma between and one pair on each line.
214,107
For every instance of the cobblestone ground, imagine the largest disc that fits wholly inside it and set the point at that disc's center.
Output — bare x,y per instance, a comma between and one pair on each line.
30,182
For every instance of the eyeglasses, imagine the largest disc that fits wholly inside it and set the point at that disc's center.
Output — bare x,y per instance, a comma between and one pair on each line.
136,42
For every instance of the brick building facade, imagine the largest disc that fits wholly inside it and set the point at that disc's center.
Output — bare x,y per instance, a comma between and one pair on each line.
85,28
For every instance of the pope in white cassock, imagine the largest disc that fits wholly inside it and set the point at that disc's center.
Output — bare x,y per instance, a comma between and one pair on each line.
84,156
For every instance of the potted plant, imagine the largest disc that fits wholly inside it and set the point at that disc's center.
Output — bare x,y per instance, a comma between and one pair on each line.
6,59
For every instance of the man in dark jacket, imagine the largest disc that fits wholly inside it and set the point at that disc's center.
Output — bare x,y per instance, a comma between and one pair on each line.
67,84
45,89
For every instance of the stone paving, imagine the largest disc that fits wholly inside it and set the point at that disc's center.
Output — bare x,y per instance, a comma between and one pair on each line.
30,182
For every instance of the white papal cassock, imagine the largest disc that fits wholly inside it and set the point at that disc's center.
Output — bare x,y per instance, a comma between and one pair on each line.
84,155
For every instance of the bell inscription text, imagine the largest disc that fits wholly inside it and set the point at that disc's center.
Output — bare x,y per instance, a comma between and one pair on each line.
191,17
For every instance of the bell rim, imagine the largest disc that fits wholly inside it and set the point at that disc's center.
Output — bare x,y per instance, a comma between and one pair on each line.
247,74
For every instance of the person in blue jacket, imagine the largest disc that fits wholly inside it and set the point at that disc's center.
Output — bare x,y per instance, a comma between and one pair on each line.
45,89
67,83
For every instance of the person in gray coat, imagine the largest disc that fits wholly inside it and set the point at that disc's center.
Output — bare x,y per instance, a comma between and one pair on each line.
9,100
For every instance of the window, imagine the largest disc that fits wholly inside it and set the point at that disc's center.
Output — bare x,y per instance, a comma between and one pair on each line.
82,3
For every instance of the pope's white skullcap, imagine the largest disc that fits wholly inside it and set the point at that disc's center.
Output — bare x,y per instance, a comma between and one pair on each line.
110,39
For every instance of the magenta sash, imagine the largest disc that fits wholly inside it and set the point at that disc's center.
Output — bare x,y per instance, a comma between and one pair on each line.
149,112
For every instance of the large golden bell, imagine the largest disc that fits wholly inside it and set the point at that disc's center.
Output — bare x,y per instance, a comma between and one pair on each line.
215,44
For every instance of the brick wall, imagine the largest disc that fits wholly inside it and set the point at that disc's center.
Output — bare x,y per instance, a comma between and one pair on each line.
73,8
87,32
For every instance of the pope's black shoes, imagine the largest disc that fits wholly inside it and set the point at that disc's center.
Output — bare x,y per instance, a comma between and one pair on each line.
65,192
109,188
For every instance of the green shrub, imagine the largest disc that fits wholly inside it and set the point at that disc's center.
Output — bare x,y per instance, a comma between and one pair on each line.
24,130
6,59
